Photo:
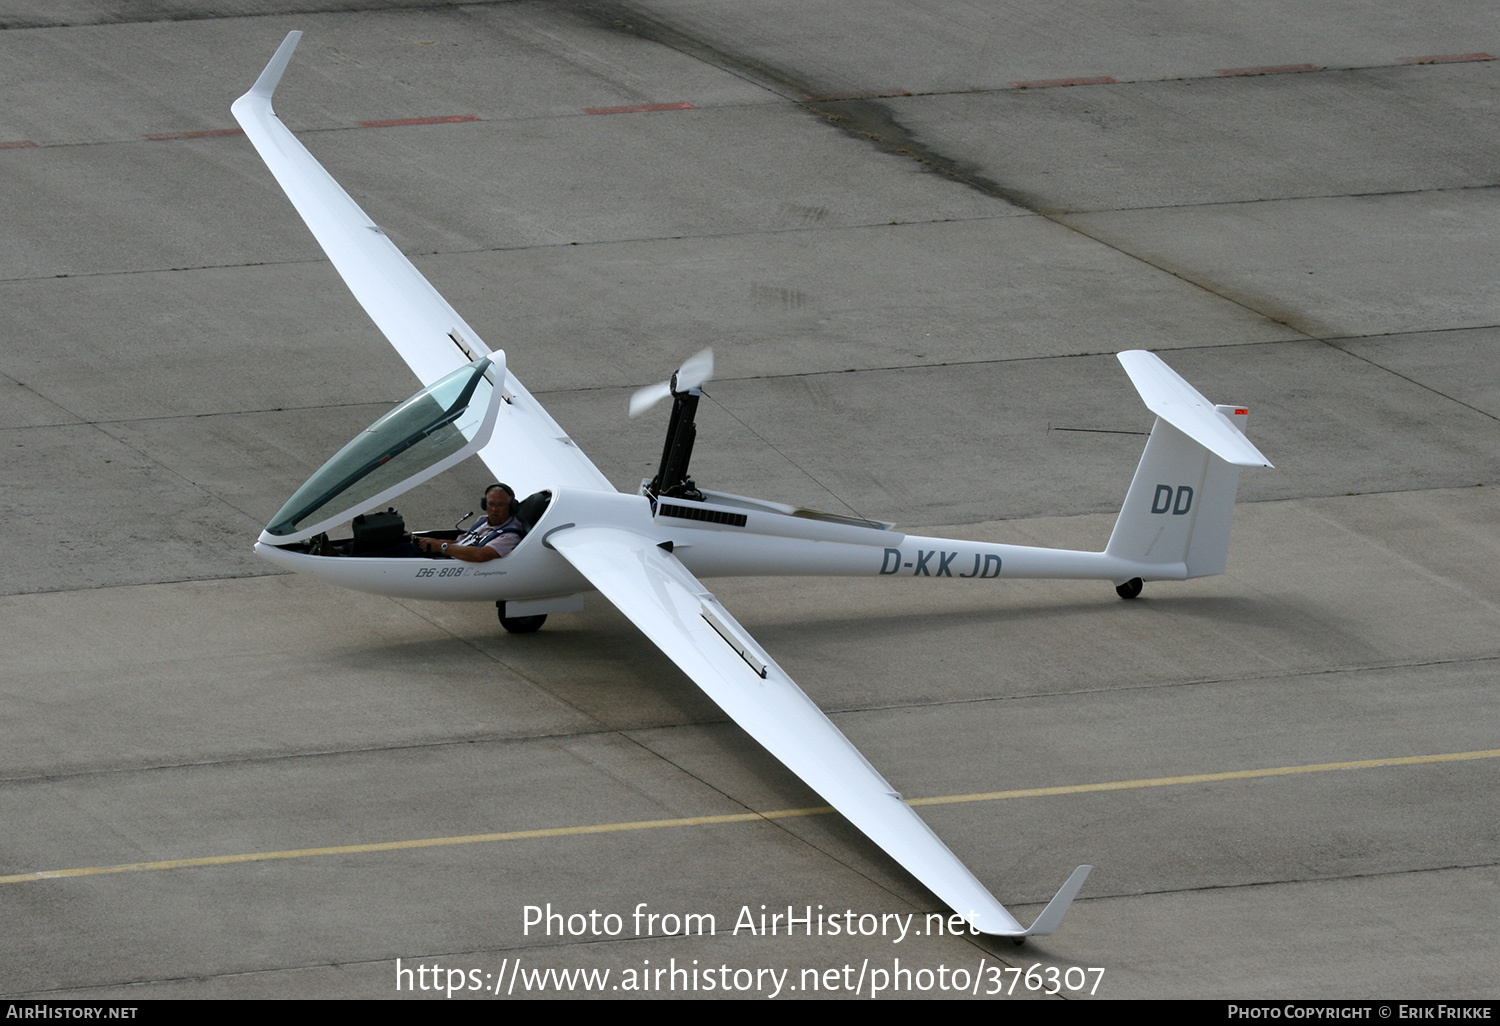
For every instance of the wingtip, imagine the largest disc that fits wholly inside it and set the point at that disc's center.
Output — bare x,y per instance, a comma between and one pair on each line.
1052,915
270,78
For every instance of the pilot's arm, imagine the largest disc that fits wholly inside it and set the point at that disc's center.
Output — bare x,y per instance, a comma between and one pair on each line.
470,553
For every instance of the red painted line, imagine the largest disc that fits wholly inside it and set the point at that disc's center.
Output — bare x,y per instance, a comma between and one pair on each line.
1049,83
1448,58
210,134
16,145
398,122
1274,69
637,107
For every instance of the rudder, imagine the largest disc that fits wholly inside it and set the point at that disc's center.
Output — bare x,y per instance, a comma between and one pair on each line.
1180,504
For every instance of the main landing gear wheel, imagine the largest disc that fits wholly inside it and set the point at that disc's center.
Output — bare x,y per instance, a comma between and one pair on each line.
1130,589
519,624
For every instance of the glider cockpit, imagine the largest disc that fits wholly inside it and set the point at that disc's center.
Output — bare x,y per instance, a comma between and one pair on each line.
435,429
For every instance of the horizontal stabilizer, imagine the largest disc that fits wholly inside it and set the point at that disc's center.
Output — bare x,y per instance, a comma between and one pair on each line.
1167,395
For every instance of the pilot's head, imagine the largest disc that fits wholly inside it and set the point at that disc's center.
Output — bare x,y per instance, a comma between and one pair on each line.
499,503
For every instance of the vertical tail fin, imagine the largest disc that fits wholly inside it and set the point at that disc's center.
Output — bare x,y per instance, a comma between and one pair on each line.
1181,501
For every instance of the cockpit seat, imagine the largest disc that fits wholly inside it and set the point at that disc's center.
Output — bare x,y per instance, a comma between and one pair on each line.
530,509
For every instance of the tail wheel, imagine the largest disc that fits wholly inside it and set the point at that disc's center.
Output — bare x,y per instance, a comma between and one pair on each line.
1130,589
519,624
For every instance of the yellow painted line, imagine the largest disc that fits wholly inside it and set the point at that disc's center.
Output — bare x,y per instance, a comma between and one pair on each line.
744,817
1205,778
425,842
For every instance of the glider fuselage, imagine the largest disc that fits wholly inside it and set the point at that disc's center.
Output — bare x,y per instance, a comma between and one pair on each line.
726,536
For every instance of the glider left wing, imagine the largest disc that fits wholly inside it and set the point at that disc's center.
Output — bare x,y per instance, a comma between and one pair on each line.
529,448
674,610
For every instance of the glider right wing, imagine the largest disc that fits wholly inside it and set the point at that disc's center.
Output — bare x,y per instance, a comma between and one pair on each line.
529,448
674,610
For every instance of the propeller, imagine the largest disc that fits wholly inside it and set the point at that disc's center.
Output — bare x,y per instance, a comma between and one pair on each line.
694,373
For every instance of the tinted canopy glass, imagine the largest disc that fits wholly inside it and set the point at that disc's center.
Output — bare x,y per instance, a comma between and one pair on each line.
432,427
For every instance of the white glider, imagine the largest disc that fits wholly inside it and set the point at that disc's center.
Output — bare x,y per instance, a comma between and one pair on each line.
646,552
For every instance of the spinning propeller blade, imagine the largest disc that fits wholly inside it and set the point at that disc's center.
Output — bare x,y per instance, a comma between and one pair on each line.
648,397
695,372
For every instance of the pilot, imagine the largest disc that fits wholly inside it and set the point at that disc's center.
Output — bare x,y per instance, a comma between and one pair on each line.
491,538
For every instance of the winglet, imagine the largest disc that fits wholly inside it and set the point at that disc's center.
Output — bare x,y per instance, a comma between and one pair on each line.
1052,915
271,77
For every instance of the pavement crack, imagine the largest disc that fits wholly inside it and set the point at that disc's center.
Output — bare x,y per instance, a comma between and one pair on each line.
196,486
496,658
629,732
272,758
414,255
1198,682
77,418
1293,881
1335,345
1254,200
